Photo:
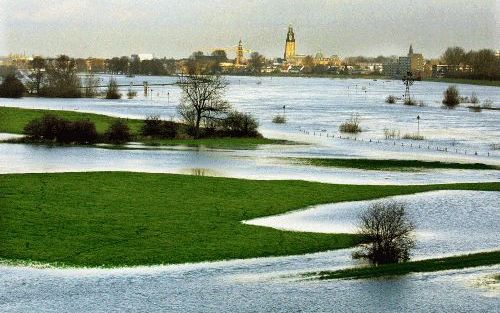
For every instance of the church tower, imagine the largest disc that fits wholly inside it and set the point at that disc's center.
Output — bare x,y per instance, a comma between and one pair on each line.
239,54
290,45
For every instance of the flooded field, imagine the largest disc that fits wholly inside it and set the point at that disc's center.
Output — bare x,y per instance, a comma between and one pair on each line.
447,222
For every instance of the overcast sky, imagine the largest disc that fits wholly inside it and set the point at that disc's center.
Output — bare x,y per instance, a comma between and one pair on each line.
176,28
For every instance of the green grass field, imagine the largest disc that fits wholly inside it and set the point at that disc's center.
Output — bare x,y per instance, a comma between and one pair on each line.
372,164
430,265
120,218
13,120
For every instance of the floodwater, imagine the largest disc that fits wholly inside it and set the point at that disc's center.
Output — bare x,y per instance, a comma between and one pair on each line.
447,222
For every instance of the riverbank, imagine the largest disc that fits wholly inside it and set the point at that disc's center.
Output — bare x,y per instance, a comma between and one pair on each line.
13,120
493,83
422,266
115,219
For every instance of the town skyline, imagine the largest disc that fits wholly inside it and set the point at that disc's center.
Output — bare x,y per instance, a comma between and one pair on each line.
42,29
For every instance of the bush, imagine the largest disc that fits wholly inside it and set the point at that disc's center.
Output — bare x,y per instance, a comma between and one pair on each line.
131,94
451,97
53,128
11,87
118,132
279,119
391,133
487,103
351,125
238,124
112,91
474,99
154,127
390,99
409,101
388,233
413,137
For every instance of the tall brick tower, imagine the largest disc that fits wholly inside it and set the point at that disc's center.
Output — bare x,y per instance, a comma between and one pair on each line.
290,45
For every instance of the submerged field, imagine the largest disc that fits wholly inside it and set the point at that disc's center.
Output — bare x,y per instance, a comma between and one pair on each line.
119,218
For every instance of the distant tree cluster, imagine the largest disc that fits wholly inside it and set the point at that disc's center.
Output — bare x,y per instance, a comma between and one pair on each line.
481,64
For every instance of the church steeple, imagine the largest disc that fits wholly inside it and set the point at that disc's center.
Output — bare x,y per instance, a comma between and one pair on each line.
290,36
410,52
289,45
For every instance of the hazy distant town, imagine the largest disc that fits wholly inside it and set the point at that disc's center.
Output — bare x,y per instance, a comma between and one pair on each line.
455,62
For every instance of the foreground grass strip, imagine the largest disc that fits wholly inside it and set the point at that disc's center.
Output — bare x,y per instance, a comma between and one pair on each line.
124,219
13,120
430,265
372,164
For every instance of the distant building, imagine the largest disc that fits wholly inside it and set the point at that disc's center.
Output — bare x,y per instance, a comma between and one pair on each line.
289,54
413,62
142,56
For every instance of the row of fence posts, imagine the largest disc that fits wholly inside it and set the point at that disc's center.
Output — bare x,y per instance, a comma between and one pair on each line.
387,142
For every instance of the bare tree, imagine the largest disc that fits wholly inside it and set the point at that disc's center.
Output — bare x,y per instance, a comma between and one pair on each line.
388,232
202,100
38,74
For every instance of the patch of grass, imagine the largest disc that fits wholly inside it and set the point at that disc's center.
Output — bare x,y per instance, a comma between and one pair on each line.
413,136
13,120
373,164
279,119
124,219
219,143
430,265
351,125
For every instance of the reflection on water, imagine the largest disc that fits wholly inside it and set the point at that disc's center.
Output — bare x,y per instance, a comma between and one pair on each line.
201,172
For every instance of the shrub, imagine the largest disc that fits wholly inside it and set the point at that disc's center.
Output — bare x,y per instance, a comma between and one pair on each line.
238,124
351,125
131,94
474,99
390,99
413,137
487,103
391,133
279,119
118,132
409,101
82,132
451,97
11,87
388,233
154,127
112,91
53,128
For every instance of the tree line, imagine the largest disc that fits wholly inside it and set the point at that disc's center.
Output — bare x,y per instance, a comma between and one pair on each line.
480,64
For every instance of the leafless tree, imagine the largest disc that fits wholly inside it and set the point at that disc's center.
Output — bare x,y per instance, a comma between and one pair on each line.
388,232
202,100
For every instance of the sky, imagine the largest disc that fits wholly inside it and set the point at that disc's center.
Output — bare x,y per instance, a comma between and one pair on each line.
106,28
